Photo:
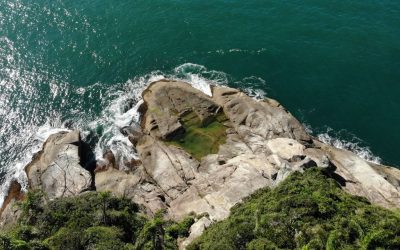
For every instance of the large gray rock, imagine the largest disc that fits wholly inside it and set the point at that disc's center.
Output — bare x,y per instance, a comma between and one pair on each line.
195,231
56,169
264,144
255,120
379,184
165,101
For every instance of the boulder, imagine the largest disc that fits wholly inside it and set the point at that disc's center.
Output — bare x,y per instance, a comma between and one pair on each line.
379,184
56,168
107,162
266,119
195,231
167,101
9,211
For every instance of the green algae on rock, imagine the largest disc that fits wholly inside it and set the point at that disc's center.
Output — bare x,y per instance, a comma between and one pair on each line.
201,139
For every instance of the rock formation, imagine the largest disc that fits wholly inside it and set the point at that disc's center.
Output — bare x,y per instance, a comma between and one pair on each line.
55,170
263,144
201,154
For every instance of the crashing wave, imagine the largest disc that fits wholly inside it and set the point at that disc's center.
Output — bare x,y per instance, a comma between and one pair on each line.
362,151
121,110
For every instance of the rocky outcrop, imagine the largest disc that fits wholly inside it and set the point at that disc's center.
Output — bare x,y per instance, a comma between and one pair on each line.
9,212
263,144
379,184
56,169
201,154
171,178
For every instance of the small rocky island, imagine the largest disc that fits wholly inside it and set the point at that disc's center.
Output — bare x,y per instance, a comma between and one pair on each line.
199,156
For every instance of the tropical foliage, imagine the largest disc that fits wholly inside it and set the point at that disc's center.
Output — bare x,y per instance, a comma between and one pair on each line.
306,211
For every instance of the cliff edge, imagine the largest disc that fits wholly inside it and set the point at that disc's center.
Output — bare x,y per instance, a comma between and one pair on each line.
203,154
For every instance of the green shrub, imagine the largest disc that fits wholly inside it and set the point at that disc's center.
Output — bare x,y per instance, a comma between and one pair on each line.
261,244
65,223
180,229
90,221
306,211
7,243
38,245
103,238
65,238
161,234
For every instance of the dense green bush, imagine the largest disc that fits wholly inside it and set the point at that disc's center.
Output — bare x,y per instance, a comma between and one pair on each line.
306,211
90,221
161,234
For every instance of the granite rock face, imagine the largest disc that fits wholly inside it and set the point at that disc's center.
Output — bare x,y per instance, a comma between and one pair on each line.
379,184
262,144
56,169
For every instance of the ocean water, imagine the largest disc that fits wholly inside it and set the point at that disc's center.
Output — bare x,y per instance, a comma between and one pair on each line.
82,65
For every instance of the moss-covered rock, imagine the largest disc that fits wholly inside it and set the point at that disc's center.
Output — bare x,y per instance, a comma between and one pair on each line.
201,139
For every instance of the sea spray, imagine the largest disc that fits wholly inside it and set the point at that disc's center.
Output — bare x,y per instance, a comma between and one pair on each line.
354,146
17,171
344,140
122,102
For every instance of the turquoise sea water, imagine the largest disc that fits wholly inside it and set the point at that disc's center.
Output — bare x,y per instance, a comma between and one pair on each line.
76,64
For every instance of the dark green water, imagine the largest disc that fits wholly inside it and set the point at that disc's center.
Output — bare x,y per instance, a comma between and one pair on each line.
334,64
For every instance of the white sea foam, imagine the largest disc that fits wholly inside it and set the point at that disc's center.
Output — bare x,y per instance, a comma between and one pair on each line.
122,101
238,50
362,151
17,171
117,116
351,143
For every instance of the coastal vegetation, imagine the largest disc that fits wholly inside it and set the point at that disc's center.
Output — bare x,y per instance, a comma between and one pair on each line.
94,220
306,211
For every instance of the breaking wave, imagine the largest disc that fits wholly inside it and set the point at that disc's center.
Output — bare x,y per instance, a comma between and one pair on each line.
122,101
354,144
121,110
